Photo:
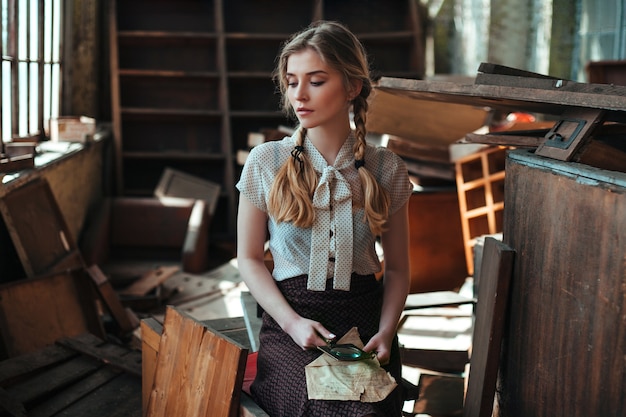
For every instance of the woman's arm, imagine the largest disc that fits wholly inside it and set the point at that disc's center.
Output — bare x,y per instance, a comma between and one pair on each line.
251,236
395,242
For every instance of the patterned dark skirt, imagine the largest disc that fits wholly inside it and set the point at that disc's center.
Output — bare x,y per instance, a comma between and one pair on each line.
280,383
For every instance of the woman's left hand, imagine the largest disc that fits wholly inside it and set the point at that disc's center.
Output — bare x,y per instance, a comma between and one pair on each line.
380,344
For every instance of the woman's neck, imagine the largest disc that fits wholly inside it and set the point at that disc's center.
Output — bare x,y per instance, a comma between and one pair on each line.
328,142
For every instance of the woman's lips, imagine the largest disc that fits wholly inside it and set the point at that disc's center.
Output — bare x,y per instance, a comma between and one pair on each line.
303,111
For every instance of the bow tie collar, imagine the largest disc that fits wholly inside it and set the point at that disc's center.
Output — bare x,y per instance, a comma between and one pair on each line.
332,197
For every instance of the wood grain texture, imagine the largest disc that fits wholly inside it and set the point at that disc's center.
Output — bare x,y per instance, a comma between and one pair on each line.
565,339
199,372
493,292
36,312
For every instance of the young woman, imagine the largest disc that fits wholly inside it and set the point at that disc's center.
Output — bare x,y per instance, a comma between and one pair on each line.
324,196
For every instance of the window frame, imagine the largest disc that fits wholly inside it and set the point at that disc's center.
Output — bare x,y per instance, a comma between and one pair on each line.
31,72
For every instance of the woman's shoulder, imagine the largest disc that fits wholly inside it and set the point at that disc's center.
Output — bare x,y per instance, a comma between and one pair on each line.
271,151
382,155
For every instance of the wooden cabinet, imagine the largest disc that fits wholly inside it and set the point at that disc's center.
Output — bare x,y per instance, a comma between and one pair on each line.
191,79
564,344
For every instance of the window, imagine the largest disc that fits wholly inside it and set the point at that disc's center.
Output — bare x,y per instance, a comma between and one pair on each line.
602,32
30,77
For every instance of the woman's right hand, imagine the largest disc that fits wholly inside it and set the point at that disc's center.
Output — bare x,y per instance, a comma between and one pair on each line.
308,334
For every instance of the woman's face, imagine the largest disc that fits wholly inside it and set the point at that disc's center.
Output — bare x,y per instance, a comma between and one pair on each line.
315,91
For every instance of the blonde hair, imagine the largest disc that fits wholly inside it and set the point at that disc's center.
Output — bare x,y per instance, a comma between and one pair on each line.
291,195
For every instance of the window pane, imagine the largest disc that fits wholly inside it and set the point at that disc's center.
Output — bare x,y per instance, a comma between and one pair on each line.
33,97
23,98
34,30
6,101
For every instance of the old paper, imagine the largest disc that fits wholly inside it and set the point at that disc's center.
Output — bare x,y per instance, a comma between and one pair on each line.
331,379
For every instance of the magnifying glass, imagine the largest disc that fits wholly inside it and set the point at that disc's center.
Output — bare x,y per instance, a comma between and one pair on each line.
346,352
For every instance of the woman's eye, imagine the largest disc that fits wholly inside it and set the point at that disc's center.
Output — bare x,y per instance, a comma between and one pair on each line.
292,84
316,83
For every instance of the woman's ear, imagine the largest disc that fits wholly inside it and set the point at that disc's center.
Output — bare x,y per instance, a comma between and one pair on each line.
355,89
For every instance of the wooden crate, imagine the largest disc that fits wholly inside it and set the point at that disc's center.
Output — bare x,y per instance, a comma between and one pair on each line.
37,311
38,229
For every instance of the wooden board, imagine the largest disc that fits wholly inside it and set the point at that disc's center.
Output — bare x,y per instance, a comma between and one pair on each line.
199,372
151,330
36,312
60,381
38,229
178,184
436,299
111,300
493,291
531,95
421,121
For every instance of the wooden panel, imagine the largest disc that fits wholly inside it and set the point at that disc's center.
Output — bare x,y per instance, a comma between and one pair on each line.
38,311
566,336
199,372
421,121
149,222
151,331
38,229
436,242
493,291
539,99
175,183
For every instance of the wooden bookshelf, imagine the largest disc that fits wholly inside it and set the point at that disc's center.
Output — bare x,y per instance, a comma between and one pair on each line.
191,79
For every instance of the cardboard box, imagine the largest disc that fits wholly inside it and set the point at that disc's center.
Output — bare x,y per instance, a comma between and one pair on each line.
72,129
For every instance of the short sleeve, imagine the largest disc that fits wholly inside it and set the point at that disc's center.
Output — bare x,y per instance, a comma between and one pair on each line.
260,169
392,173
250,182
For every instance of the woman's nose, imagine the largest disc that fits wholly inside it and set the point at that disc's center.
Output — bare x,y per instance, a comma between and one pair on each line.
301,93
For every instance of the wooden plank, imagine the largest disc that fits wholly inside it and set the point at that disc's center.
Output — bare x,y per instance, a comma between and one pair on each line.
447,361
111,354
500,139
177,184
20,367
9,406
511,99
149,281
497,69
36,312
55,404
436,299
52,380
199,372
493,291
151,331
118,398
421,121
111,299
